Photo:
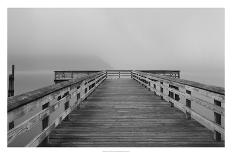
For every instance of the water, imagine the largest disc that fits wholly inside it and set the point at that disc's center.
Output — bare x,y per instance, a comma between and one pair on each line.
28,81
215,78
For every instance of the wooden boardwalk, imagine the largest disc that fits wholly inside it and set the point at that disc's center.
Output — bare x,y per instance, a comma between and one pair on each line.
122,113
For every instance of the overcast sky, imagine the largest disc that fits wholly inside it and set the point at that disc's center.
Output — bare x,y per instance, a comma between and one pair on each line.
49,39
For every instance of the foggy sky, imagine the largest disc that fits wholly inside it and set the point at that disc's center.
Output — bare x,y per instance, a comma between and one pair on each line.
56,39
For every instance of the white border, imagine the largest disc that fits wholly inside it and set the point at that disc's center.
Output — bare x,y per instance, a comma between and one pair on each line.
115,4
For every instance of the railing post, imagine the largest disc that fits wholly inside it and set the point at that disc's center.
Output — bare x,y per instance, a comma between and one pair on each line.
171,104
11,83
67,118
178,74
217,136
47,140
187,115
63,75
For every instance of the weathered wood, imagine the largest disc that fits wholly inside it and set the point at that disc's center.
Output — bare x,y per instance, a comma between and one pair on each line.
171,73
26,116
210,88
207,103
122,113
28,124
20,100
118,73
61,76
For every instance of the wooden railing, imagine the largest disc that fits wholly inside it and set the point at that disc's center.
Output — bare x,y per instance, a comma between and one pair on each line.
201,102
171,73
33,115
115,74
61,76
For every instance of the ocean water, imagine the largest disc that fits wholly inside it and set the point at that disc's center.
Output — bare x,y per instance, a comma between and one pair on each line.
214,78
28,81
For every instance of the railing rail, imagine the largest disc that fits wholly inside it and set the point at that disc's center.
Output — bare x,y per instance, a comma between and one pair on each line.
118,74
68,75
61,76
33,115
201,102
170,73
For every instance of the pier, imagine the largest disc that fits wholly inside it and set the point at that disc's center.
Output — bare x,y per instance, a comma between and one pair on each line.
118,108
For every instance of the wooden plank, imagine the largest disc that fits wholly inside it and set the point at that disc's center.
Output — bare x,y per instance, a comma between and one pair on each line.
122,113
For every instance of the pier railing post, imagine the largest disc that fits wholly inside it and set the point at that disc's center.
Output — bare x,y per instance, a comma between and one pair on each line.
187,115
11,83
217,136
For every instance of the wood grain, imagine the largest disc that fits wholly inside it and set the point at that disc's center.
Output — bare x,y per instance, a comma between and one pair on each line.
121,113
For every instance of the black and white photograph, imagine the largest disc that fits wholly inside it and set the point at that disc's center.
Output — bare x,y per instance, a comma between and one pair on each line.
115,78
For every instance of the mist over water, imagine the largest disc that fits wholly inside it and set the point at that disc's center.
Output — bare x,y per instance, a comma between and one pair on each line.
28,81
210,78
43,40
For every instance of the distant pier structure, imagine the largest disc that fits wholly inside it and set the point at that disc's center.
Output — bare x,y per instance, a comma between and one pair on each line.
61,76
11,82
115,108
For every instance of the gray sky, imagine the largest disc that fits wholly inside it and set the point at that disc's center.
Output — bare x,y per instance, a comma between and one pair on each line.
49,39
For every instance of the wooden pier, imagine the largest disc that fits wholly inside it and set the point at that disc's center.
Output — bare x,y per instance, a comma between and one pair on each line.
119,109
122,113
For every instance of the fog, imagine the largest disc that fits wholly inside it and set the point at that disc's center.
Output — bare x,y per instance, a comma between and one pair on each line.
190,40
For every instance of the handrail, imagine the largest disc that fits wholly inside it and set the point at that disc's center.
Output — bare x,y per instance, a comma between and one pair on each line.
22,99
201,102
171,73
118,73
216,89
40,111
64,75
68,75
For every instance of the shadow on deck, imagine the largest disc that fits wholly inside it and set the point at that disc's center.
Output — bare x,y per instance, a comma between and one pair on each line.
121,113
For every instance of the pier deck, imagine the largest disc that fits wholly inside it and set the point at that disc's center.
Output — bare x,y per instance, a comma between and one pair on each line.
122,113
